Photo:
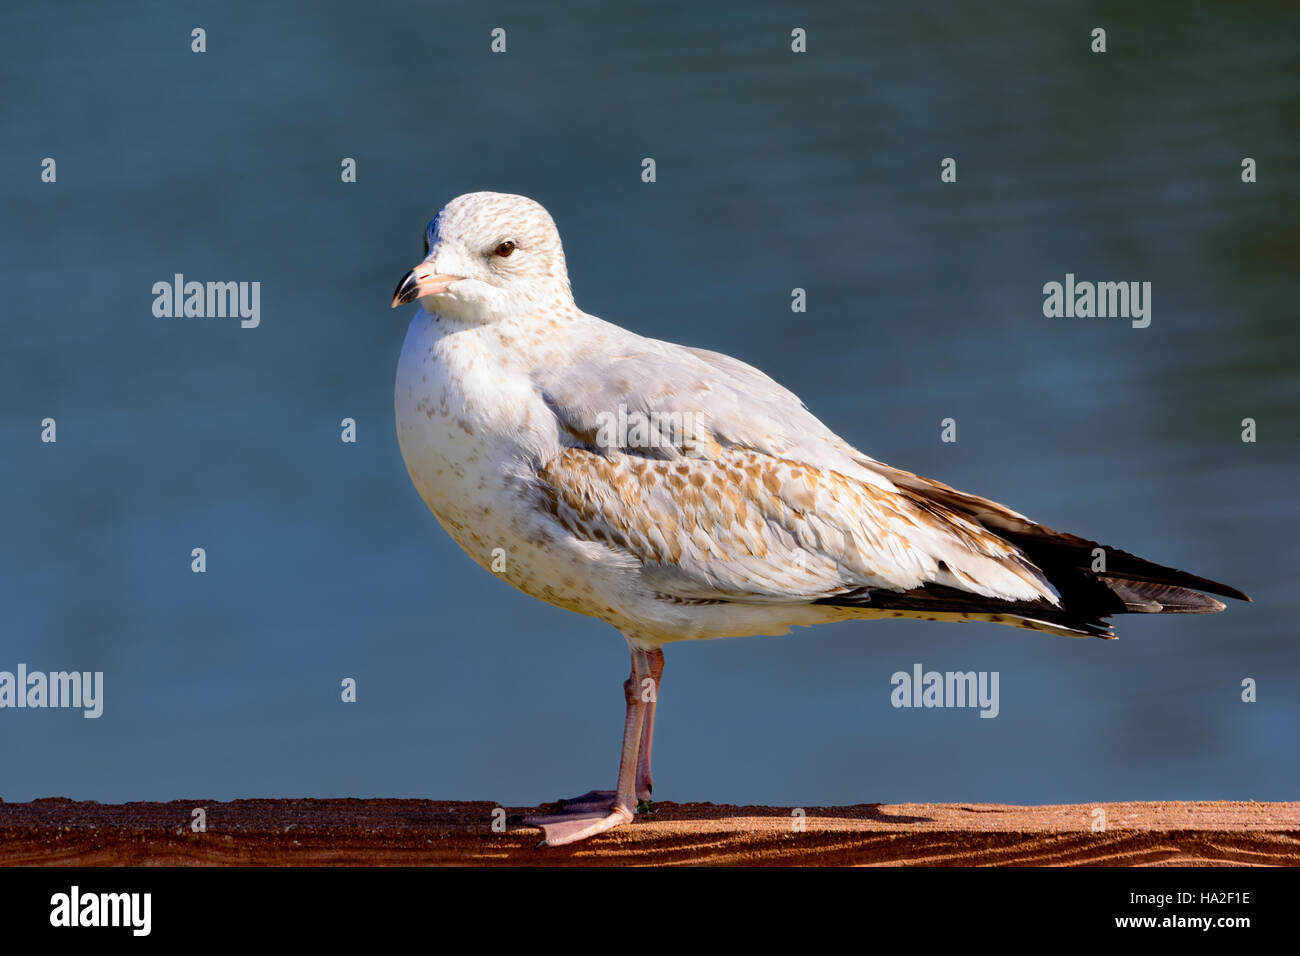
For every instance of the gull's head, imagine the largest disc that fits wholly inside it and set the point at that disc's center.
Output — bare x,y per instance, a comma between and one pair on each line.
489,256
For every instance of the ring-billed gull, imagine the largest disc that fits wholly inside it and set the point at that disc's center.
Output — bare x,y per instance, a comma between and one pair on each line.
679,494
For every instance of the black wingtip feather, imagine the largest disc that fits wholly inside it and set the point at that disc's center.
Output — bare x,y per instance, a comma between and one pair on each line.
1127,585
1144,597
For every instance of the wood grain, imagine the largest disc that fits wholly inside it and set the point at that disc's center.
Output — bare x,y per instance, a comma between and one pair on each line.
426,832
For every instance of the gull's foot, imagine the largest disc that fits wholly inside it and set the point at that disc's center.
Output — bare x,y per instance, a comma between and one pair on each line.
579,819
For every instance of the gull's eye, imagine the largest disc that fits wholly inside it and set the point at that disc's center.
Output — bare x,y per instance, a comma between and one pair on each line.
505,249
426,245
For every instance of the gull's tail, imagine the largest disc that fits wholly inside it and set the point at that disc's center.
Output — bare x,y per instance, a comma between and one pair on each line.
1121,584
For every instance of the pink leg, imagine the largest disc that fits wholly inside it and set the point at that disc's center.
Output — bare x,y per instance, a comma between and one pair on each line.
594,812
644,781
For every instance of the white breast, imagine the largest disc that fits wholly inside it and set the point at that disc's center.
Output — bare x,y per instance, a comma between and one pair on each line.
473,432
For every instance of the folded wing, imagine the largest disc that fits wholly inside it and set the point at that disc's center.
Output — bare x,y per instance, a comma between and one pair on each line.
748,497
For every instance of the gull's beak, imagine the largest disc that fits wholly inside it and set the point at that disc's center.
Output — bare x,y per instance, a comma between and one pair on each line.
421,281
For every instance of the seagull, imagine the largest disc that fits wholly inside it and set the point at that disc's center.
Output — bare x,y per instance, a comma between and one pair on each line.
681,494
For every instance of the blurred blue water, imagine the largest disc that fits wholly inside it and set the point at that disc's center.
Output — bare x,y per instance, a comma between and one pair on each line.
775,170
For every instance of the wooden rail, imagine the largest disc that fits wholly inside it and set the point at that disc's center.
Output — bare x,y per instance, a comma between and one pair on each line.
426,832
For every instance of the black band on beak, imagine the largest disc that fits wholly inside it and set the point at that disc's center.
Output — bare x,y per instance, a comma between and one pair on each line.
408,290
